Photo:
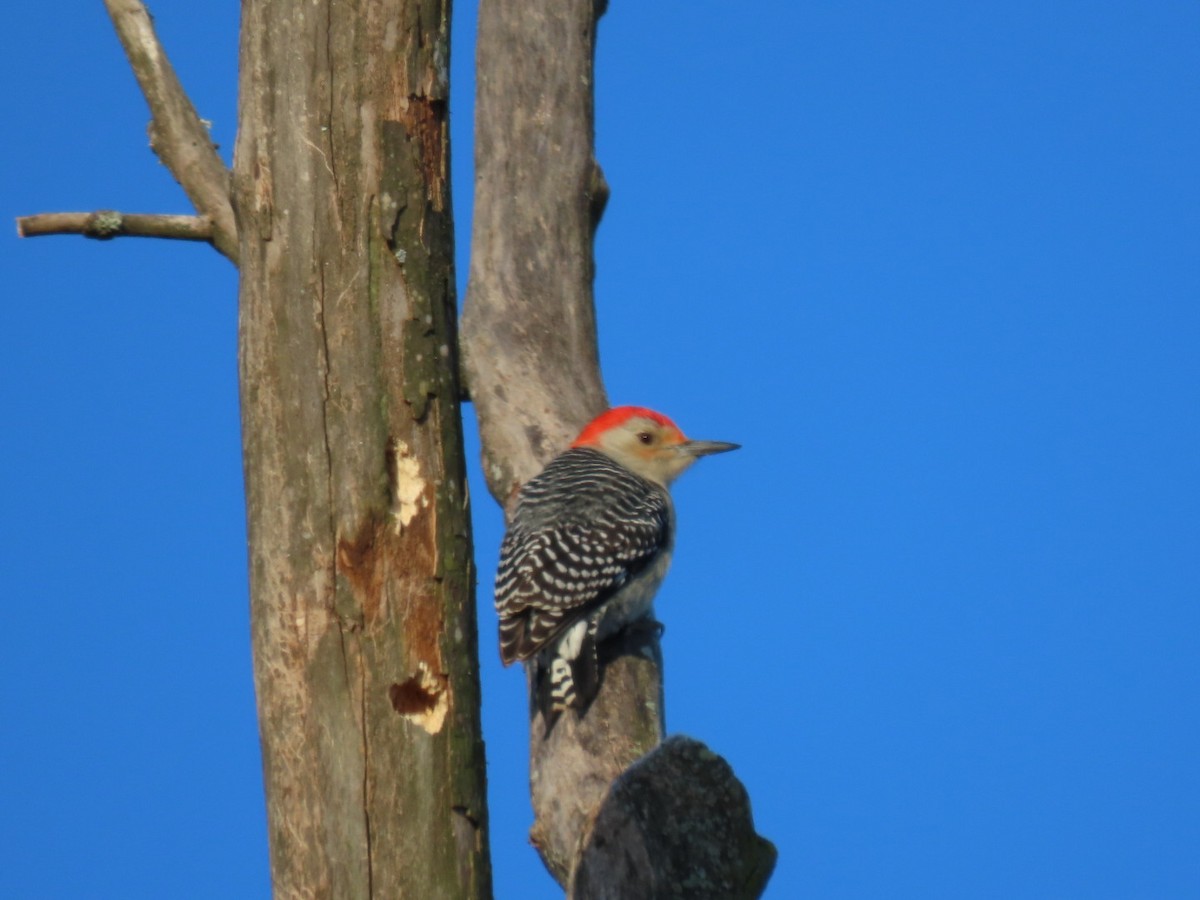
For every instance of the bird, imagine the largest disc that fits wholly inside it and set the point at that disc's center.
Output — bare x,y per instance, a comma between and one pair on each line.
587,547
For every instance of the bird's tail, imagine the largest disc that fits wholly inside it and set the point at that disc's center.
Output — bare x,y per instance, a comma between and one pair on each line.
567,684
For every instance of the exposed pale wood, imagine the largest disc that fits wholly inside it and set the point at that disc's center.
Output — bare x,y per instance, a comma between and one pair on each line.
107,223
177,134
365,648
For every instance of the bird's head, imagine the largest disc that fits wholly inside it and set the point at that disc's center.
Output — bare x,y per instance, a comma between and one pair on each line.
646,442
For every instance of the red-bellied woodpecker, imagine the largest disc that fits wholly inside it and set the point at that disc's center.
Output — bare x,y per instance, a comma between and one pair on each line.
587,548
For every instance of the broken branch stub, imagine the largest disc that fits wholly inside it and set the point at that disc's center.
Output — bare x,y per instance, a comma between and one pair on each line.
676,824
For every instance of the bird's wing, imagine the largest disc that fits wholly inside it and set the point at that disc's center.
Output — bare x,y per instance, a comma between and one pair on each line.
551,577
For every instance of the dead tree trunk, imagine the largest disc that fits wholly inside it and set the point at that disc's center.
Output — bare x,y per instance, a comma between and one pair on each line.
361,570
530,348
361,573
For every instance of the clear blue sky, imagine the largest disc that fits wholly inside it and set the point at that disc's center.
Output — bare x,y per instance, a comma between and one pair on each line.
935,265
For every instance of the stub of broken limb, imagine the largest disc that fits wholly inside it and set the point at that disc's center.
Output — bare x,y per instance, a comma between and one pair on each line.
677,823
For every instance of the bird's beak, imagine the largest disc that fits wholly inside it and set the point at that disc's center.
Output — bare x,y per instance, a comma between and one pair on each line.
707,448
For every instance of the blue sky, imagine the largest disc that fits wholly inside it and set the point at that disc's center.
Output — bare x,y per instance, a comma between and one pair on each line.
935,265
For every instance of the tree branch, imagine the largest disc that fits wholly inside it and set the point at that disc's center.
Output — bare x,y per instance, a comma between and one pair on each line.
107,223
529,323
177,135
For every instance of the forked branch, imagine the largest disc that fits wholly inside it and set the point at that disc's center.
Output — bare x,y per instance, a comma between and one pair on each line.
179,138
177,135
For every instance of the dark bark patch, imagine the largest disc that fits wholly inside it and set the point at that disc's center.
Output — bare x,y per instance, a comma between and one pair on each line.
426,120
537,442
357,560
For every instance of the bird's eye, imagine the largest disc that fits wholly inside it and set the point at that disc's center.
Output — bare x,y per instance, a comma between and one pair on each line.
644,437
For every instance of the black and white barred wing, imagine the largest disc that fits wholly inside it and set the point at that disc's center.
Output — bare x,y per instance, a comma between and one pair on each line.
555,574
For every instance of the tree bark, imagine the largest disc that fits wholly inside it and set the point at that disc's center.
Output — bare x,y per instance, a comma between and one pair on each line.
529,325
529,337
363,625
529,334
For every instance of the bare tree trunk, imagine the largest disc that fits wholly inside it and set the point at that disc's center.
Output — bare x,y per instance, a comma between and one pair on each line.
361,573
362,580
530,347
529,335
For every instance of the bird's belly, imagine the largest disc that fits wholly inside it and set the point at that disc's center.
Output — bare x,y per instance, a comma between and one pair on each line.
635,600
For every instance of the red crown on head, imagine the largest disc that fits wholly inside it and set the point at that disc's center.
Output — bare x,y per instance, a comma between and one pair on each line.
617,416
